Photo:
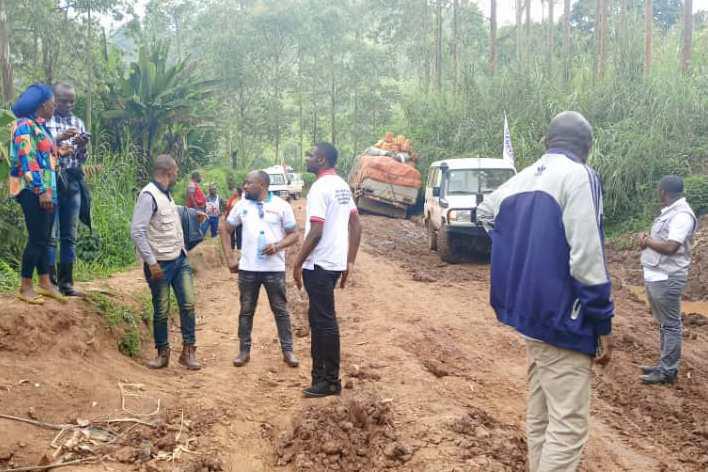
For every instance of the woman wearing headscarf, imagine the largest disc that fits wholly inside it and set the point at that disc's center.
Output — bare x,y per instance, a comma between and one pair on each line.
33,158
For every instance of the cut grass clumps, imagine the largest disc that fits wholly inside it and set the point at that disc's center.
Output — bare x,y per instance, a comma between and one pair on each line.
119,318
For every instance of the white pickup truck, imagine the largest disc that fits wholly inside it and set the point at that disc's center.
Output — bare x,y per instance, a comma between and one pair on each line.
452,192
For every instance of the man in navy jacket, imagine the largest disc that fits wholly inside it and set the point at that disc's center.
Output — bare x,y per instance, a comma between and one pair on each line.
549,281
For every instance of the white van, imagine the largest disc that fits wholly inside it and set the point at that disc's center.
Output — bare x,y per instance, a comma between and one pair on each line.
278,182
452,192
295,185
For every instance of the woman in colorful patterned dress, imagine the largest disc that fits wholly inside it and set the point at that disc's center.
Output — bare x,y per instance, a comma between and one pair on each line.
33,159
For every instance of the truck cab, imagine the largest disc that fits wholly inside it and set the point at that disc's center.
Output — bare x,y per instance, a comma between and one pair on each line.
454,189
278,182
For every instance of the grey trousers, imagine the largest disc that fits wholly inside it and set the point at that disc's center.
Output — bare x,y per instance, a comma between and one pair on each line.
665,300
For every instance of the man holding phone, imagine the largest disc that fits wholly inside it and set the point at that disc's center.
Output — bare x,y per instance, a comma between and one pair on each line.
67,129
269,227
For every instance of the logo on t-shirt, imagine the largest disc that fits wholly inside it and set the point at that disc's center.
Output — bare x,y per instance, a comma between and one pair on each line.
343,196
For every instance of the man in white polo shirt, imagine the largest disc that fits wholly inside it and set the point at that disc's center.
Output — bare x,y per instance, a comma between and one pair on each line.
333,233
269,227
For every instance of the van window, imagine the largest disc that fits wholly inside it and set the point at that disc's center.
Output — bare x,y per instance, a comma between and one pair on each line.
470,181
277,179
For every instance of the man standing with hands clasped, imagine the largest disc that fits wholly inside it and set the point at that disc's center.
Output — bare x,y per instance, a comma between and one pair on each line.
666,257
269,227
333,233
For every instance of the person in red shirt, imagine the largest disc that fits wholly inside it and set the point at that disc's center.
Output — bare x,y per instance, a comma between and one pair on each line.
195,196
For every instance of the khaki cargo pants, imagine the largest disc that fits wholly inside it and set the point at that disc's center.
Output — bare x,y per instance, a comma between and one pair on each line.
557,420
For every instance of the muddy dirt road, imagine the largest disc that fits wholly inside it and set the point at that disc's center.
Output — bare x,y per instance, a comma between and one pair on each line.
435,383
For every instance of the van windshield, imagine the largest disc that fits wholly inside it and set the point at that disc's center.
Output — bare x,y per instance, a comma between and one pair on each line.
277,179
471,181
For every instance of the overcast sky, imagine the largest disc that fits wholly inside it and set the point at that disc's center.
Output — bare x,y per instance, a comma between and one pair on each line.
507,15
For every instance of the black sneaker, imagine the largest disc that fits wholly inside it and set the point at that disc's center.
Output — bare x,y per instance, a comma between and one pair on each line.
658,378
323,389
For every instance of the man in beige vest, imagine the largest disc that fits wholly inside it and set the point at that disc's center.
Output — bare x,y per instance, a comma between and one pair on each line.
666,257
157,232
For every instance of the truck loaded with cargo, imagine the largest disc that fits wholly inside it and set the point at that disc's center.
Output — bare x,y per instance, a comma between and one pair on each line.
384,179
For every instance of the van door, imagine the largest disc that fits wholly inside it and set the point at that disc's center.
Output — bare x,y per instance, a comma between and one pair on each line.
435,210
427,207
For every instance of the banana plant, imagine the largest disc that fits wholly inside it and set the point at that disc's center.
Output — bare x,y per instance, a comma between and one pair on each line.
158,94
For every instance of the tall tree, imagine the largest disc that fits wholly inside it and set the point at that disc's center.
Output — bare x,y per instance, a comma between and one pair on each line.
455,44
493,37
601,39
687,36
648,33
527,38
550,42
566,38
438,45
519,12
8,89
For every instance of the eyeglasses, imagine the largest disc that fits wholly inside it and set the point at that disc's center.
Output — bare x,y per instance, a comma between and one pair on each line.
261,211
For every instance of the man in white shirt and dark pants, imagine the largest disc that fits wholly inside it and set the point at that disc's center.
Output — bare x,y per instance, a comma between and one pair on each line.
666,257
269,227
332,236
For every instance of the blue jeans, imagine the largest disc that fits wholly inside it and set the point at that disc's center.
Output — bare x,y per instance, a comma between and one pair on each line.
66,224
214,225
177,274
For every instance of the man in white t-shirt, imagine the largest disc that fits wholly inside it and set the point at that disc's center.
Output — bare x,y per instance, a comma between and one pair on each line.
666,257
269,227
332,236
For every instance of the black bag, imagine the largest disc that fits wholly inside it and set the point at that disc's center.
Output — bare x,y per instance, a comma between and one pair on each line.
190,227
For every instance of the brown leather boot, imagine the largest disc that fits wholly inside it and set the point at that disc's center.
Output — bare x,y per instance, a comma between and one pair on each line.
188,358
162,360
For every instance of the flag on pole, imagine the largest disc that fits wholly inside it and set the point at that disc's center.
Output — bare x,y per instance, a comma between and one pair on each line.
507,150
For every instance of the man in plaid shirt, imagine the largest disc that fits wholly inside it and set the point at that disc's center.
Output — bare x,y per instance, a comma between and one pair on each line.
67,128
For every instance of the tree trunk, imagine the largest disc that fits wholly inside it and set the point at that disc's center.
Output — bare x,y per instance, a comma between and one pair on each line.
333,106
519,9
648,27
566,39
528,31
601,34
549,46
493,37
687,36
438,46
8,87
301,112
455,44
89,82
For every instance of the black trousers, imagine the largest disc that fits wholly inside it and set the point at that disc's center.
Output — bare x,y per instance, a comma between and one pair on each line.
39,228
324,329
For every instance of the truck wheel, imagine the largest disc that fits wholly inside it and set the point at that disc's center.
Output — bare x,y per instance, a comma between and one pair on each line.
432,241
445,249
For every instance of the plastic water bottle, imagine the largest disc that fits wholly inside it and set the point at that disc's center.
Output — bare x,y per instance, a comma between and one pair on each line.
261,246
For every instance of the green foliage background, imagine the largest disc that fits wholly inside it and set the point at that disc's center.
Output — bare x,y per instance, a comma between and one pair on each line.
226,87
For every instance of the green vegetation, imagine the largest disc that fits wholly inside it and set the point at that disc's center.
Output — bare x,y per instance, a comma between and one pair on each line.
228,86
119,318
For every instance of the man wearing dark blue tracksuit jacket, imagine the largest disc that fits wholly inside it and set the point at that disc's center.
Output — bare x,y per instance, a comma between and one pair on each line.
549,281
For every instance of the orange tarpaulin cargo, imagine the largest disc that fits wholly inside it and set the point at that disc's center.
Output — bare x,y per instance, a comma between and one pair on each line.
388,170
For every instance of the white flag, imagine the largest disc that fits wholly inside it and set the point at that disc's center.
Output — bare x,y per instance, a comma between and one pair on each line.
507,150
